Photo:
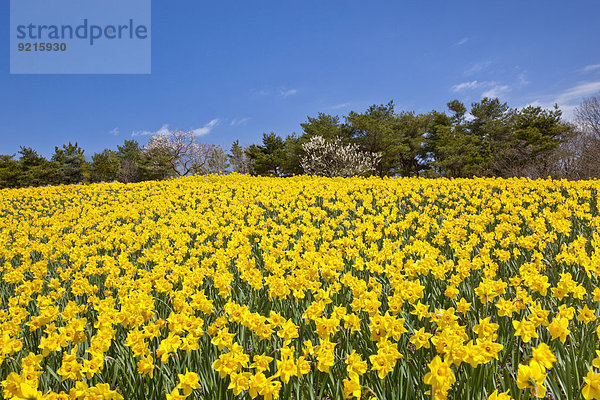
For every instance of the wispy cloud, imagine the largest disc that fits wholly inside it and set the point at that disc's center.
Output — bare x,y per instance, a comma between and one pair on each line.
478,67
287,92
462,41
164,130
338,106
468,86
238,122
579,92
114,131
523,79
282,91
496,91
590,68
493,89
206,128
569,98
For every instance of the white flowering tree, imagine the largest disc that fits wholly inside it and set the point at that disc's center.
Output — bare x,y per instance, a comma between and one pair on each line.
336,158
181,151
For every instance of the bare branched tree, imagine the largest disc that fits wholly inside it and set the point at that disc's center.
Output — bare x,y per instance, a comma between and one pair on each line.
588,116
335,158
217,162
582,158
128,172
238,158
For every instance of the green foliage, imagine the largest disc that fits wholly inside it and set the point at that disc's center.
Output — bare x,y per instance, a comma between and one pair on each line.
292,160
325,125
489,140
131,156
154,164
130,150
491,128
535,135
496,141
35,170
398,137
9,172
105,166
453,150
72,164
270,158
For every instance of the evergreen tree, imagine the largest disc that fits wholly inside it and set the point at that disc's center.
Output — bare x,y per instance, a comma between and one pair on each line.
451,148
35,170
398,138
104,166
130,159
9,172
73,167
270,157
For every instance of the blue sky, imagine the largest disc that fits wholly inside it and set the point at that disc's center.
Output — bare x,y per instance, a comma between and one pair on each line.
235,69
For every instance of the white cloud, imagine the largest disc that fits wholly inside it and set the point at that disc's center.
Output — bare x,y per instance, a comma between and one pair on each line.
238,122
287,92
568,99
339,106
114,131
496,91
468,86
590,68
523,79
462,41
206,128
578,92
493,88
164,130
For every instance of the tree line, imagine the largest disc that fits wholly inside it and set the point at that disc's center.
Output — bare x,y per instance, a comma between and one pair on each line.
489,139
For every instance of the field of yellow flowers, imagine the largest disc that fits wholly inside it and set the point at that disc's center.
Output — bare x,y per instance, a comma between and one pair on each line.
234,287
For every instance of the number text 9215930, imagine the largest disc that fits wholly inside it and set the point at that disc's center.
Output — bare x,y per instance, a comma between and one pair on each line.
43,46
